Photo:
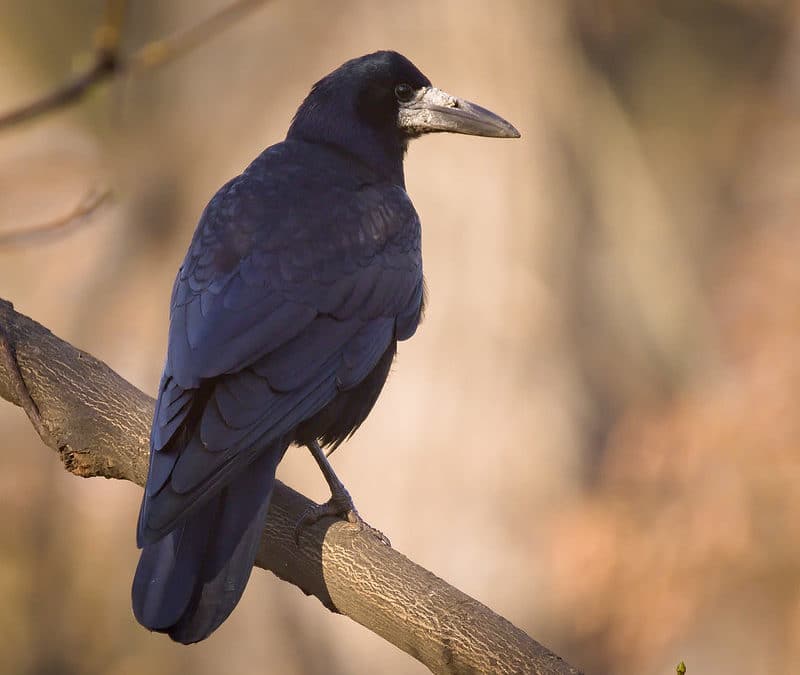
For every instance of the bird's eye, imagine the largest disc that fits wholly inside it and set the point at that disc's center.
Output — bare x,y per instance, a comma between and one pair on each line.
404,92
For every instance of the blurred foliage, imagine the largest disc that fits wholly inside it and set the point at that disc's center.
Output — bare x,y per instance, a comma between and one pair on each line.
594,431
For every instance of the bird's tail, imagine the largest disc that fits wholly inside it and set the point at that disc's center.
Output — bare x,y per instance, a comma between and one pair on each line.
188,582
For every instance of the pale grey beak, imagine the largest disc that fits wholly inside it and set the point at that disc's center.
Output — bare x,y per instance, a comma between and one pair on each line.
432,109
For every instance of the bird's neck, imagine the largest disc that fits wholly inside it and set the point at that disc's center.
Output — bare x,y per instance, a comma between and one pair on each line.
382,153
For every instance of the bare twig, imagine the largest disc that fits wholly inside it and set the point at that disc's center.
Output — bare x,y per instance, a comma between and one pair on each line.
65,94
159,52
87,207
108,62
99,423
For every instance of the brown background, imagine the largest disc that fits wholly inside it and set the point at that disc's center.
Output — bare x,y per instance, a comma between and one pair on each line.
595,431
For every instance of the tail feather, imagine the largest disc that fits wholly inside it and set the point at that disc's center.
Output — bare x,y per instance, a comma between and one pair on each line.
188,582
168,572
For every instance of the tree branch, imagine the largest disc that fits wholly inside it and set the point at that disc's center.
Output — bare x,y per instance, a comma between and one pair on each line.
87,207
99,423
108,62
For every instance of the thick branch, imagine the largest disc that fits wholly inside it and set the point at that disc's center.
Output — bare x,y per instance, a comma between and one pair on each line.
99,423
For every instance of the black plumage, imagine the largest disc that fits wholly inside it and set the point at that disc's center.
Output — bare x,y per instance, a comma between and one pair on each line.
303,274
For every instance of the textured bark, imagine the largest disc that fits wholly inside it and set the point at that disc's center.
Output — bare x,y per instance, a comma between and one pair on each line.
99,423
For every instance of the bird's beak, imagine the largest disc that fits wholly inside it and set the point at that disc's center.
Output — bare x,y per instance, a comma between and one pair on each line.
432,109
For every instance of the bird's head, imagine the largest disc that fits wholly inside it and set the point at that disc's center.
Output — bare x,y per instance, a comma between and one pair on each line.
373,105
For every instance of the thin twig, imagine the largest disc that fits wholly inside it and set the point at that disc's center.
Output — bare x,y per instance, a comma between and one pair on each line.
80,214
65,94
108,62
159,52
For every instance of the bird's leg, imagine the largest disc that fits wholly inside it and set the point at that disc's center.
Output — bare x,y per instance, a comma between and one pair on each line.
339,505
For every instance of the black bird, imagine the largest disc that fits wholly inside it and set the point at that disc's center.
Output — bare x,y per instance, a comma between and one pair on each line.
303,274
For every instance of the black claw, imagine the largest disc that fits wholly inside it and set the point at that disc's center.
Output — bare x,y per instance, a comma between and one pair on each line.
376,533
338,508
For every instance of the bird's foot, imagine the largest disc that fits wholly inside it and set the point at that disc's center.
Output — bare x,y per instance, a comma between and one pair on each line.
338,506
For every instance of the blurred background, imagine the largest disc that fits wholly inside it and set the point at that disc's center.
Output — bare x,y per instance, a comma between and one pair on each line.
595,432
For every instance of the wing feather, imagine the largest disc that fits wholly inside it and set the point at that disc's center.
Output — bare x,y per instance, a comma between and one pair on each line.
282,302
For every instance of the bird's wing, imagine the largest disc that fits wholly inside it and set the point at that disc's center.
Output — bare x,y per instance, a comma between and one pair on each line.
273,313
